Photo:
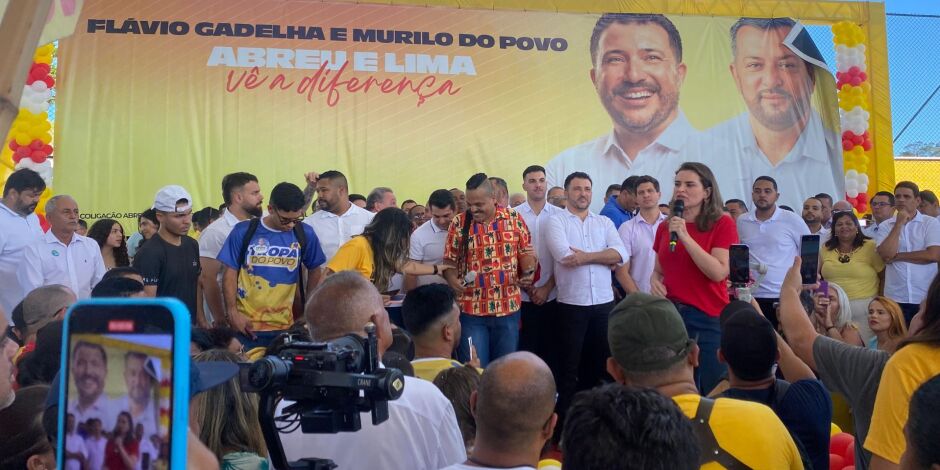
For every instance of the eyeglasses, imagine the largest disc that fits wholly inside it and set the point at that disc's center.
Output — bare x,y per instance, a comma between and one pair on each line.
286,220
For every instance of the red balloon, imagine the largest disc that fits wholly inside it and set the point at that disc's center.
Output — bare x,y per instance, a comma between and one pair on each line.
854,70
847,135
836,462
21,152
863,76
858,139
849,454
47,149
37,156
839,442
14,145
862,198
847,144
43,222
36,144
50,82
867,145
855,81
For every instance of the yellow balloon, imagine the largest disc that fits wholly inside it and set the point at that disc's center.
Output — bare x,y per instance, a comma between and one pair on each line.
45,138
23,139
41,206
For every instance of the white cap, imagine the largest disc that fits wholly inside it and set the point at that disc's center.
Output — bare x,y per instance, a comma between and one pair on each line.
168,196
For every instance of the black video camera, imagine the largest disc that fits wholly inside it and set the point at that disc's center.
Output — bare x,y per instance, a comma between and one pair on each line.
330,384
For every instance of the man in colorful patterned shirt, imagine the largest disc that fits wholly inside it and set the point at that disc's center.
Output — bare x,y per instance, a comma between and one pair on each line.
493,245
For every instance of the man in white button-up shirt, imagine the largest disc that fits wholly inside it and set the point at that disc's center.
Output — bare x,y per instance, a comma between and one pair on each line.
637,235
19,227
780,135
882,210
911,250
773,237
336,220
637,71
539,309
62,256
585,247
242,196
427,241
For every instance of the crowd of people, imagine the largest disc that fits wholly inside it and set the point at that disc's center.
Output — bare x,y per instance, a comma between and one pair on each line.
533,330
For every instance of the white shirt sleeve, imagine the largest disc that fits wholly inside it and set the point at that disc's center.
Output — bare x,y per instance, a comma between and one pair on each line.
415,251
626,237
100,268
210,243
556,239
30,275
614,241
931,232
451,449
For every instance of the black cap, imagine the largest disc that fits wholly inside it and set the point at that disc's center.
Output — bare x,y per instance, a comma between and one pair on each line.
748,341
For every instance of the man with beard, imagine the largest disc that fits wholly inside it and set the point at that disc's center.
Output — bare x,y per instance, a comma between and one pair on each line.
585,246
140,376
812,217
780,136
773,238
637,71
89,367
336,220
61,255
19,227
242,196
427,241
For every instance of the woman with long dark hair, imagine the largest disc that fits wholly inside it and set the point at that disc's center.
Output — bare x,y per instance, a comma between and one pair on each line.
851,260
147,226
122,450
382,250
110,237
692,273
916,361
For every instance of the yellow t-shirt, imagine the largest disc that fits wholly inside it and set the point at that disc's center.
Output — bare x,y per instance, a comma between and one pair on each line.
859,277
749,431
428,367
354,255
905,372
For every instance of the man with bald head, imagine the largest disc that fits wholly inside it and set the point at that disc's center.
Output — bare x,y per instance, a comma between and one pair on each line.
421,431
515,415
61,256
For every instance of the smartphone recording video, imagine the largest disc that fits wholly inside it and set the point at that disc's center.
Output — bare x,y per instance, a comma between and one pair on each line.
120,382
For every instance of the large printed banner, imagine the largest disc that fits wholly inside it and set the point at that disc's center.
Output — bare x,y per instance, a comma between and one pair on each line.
417,98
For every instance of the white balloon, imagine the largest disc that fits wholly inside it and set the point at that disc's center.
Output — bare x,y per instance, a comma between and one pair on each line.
862,188
851,193
851,185
863,178
39,85
851,174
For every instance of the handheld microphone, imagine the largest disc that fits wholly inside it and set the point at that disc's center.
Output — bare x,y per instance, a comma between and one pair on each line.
469,278
678,207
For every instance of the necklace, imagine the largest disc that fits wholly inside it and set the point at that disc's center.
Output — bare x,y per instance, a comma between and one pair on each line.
846,257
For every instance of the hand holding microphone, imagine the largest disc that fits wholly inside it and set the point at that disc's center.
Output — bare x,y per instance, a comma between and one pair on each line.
678,208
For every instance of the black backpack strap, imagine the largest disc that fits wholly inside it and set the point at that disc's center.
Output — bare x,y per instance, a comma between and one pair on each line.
252,228
302,239
708,444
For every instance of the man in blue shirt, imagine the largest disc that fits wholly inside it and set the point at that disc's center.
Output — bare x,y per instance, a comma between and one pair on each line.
620,207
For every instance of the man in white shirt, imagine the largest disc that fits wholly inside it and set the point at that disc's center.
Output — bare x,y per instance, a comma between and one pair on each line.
813,218
19,228
637,70
95,443
427,241
62,256
780,135
773,238
76,455
89,368
140,377
336,220
911,251
882,209
513,407
380,198
242,196
585,247
539,309
637,235
421,432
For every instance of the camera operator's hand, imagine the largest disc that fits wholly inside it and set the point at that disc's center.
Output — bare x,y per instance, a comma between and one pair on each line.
240,323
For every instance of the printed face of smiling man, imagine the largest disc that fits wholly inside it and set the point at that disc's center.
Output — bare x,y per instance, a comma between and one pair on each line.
637,73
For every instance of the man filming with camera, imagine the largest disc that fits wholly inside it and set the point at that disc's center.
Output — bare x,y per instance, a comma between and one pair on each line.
421,431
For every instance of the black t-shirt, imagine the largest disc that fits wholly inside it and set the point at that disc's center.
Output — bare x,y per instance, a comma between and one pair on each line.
805,409
173,269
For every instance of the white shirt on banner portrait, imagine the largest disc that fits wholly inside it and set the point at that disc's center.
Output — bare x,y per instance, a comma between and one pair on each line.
813,165
607,163
334,230
638,236
589,284
78,265
908,282
538,229
16,233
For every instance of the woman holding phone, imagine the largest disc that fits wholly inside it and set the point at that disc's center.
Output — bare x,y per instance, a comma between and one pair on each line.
693,273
